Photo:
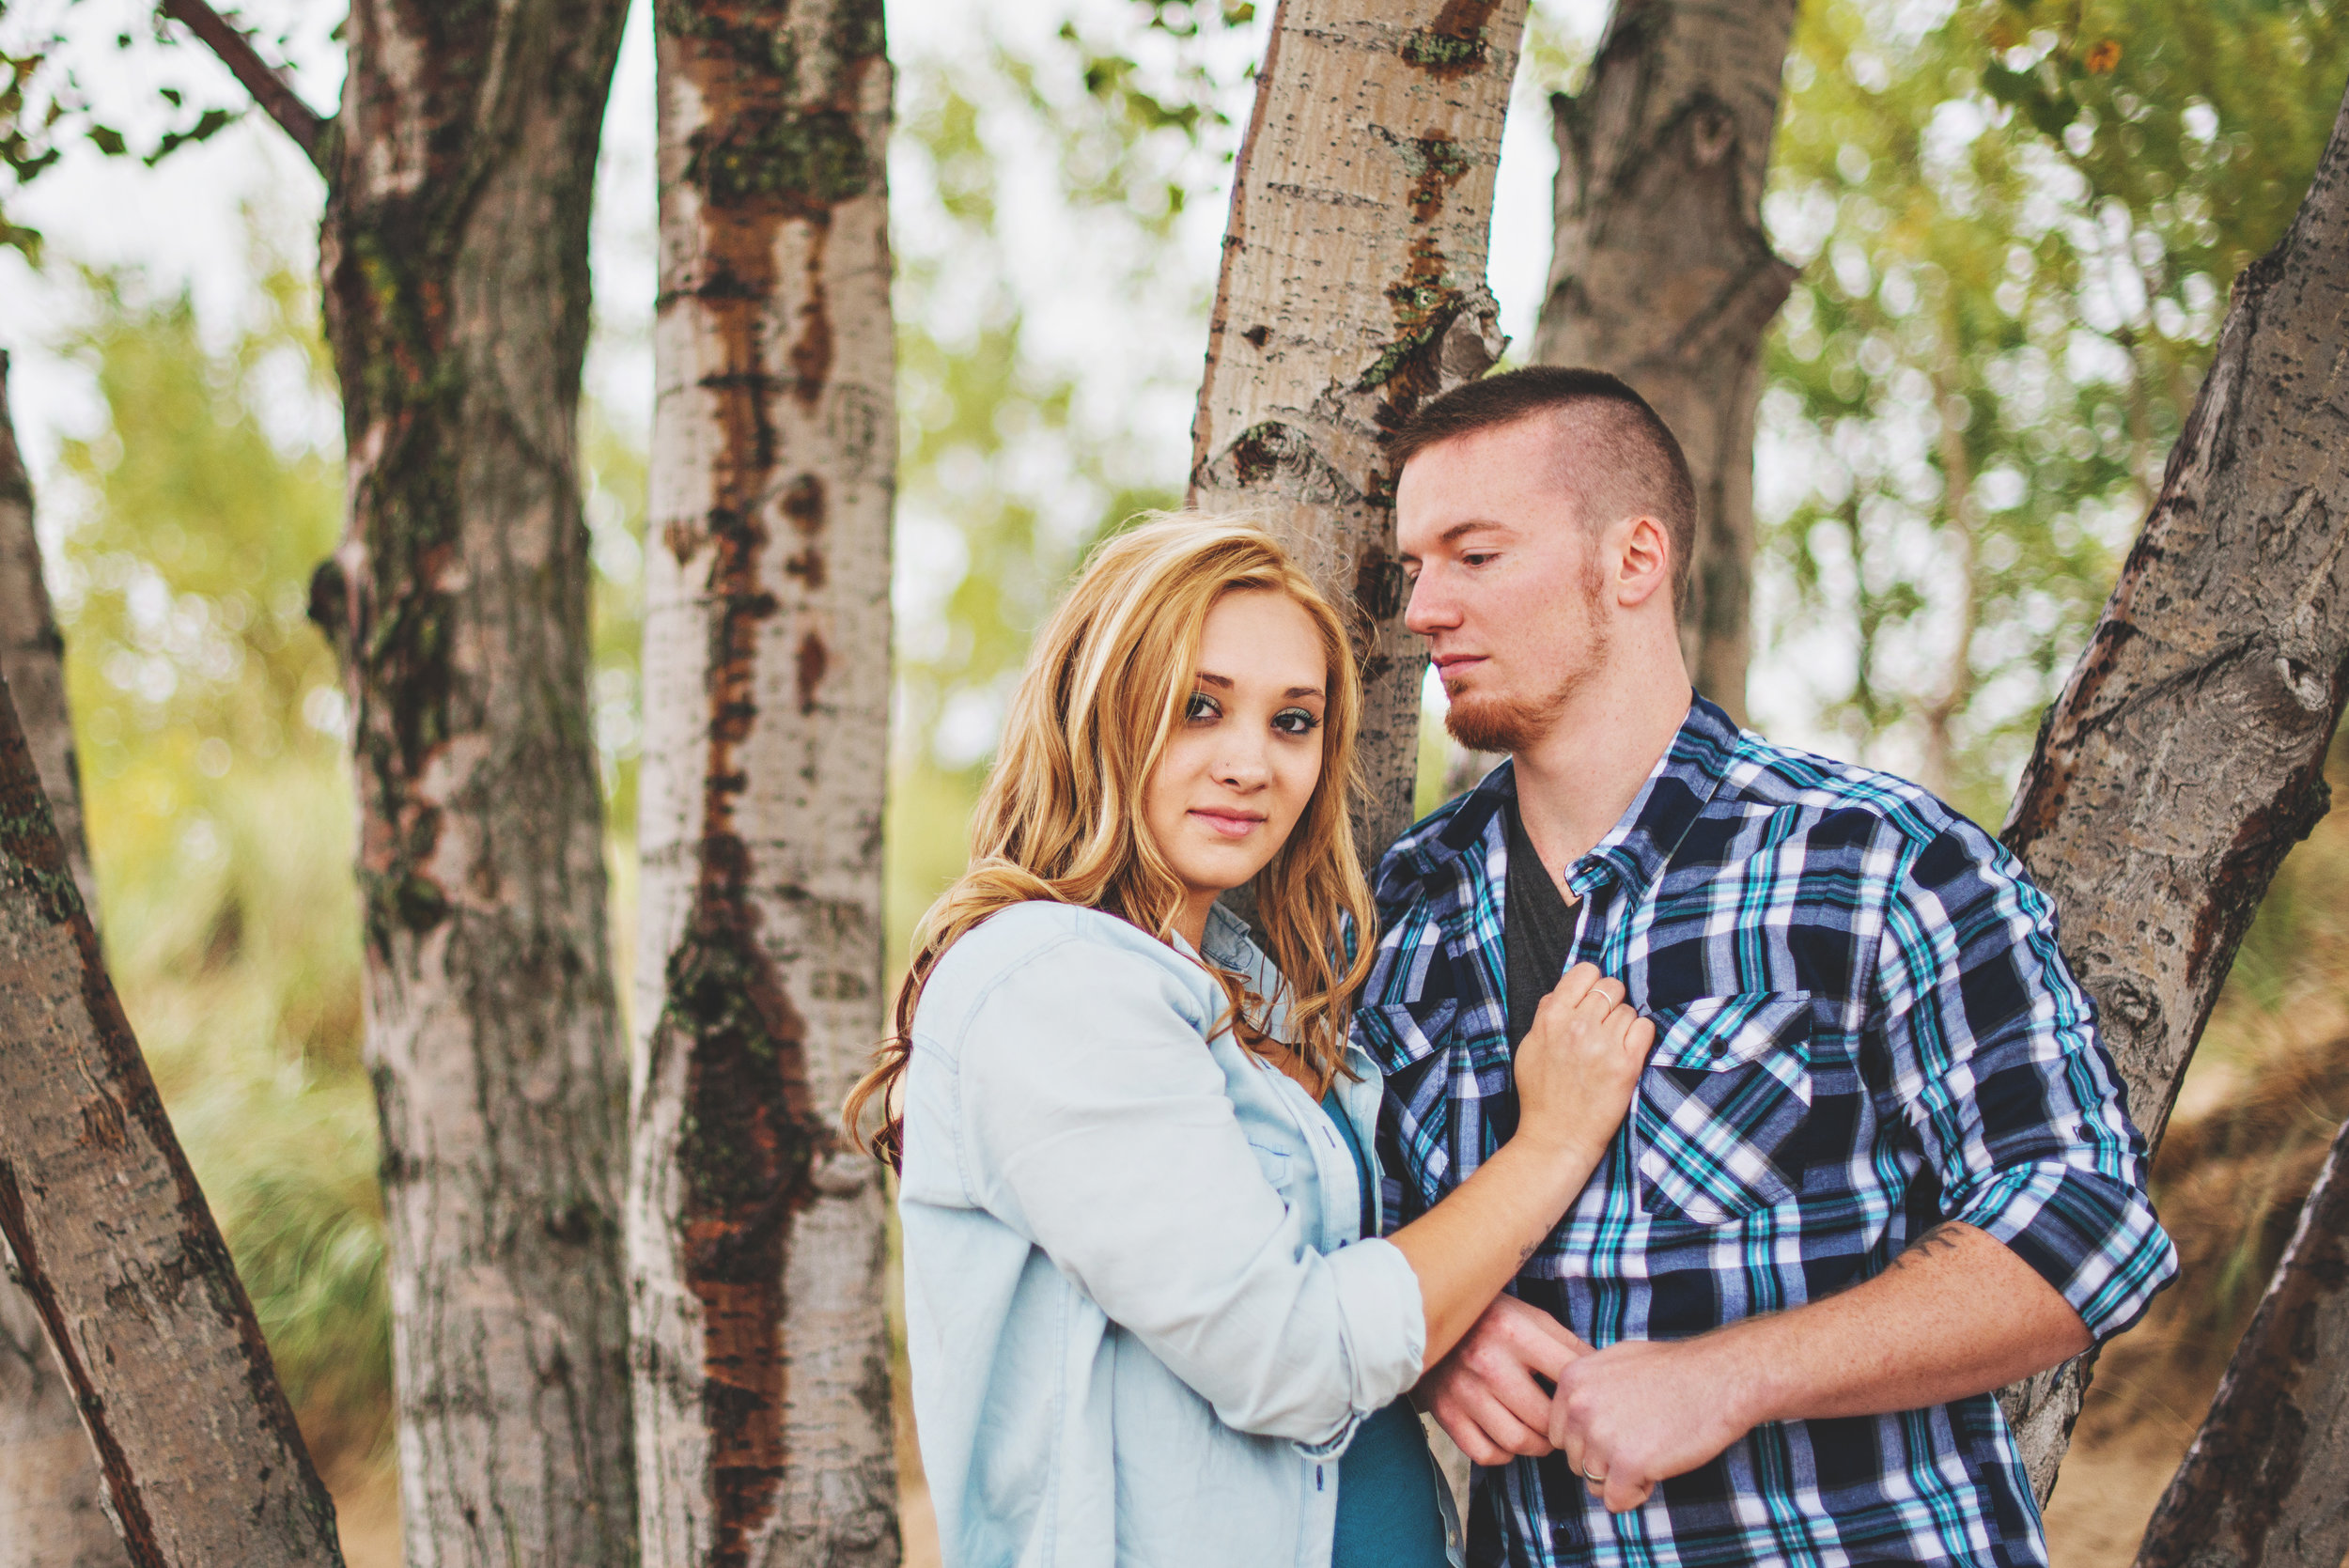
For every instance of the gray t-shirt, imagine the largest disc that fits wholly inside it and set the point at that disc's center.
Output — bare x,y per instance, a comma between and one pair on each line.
1537,929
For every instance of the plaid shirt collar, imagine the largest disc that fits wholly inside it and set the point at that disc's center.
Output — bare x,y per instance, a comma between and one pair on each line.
1633,853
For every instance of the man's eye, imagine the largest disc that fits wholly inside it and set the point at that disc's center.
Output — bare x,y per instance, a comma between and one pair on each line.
1478,557
1201,706
1296,720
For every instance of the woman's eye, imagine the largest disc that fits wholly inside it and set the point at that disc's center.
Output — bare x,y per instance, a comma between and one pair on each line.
1201,706
1296,720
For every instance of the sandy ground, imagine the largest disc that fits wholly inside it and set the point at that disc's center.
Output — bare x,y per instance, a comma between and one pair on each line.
2104,1496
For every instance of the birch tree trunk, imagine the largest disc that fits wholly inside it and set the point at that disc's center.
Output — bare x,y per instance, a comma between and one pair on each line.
454,262
2266,1483
1661,273
2185,755
49,1482
1352,291
754,1231
143,1310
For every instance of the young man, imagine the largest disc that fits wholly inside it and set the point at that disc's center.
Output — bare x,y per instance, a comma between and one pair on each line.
1878,1165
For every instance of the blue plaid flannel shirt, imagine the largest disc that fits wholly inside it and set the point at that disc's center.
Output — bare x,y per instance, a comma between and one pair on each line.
1863,1028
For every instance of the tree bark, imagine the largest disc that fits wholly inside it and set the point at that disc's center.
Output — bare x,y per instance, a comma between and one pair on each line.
2266,1483
454,262
755,1238
50,1482
133,1287
1352,291
1661,273
2185,755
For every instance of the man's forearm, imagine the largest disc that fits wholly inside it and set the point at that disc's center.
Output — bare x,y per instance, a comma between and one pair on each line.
1956,1314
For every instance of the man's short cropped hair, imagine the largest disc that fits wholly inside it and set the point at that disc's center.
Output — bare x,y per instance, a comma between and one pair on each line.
1616,455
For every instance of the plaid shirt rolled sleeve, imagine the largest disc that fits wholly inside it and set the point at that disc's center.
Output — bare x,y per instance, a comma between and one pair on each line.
1864,1029
1997,1067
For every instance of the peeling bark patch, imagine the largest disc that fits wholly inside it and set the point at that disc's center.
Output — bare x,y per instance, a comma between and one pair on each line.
32,856
809,162
811,352
1454,44
1425,303
803,504
1378,585
749,1139
1276,453
811,662
1258,452
104,1125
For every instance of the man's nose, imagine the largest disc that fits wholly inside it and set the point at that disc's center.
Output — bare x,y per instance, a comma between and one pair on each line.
1430,610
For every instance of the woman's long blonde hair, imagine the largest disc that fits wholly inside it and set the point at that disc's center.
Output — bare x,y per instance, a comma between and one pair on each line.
1062,821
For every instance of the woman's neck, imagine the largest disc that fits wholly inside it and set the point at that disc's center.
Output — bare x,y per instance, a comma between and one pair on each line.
1190,920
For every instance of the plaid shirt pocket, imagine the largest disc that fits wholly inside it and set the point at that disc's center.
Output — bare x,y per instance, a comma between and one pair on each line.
1719,1106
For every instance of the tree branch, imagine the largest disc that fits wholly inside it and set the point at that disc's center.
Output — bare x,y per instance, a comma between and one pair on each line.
268,85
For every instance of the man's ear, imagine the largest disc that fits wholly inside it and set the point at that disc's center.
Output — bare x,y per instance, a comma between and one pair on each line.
1644,568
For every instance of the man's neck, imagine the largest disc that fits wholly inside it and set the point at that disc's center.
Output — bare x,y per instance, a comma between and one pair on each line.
1575,784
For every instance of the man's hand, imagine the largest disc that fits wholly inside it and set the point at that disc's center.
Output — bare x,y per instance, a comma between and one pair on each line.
1644,1411
1484,1394
1956,1314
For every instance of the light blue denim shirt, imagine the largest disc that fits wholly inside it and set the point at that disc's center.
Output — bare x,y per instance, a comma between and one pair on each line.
1143,1324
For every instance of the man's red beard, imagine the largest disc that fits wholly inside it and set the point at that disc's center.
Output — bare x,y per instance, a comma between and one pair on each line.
1499,723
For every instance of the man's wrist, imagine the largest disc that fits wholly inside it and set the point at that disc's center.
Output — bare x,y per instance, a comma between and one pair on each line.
1738,1364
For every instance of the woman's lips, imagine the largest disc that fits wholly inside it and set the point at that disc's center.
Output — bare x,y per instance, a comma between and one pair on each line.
1230,824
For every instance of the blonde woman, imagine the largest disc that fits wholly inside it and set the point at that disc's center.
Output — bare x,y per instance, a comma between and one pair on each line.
1150,1317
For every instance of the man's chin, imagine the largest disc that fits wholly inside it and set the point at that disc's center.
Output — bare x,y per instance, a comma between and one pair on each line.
1492,724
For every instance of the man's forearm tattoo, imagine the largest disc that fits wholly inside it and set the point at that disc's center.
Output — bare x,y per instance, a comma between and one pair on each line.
1940,1239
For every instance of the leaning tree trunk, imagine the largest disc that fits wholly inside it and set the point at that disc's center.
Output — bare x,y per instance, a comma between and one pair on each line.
2266,1483
754,1231
1353,290
201,1461
1662,275
454,262
2185,755
49,1481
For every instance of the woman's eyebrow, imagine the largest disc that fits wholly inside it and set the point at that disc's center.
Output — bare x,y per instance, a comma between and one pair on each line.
1223,683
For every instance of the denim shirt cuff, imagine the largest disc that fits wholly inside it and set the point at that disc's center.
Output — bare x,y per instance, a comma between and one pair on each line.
1384,1333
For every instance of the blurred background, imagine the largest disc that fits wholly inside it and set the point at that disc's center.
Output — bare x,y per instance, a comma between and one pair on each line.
2044,277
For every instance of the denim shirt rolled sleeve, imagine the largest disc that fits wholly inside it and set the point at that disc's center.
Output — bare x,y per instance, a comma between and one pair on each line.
2003,1083
1115,1150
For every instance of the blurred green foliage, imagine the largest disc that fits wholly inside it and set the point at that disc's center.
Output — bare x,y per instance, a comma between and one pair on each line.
209,718
2019,222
